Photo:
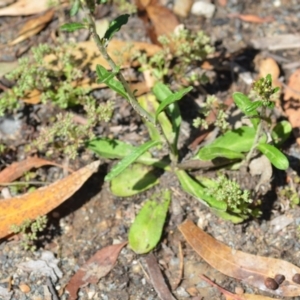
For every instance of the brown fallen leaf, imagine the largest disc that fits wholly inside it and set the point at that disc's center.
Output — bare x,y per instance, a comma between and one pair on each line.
248,268
16,170
291,103
293,89
33,27
267,66
43,200
25,8
252,18
163,22
98,266
157,278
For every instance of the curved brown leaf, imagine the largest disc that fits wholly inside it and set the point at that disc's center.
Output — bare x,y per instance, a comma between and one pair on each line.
251,269
98,266
33,26
31,205
25,8
17,169
163,22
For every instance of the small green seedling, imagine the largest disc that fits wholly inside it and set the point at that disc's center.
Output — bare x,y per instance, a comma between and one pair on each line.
29,230
242,143
137,169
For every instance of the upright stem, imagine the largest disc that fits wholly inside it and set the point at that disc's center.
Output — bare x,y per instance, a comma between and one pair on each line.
131,98
256,138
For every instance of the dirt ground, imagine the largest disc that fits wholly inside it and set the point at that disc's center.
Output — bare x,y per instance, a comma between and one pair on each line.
93,218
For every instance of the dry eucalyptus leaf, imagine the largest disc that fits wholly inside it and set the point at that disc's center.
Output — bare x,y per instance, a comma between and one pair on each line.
33,27
257,271
25,8
17,169
43,200
98,266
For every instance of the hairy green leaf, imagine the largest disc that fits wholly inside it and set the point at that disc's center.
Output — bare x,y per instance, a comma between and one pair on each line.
115,26
209,153
239,140
150,104
146,231
243,102
195,189
281,132
171,99
253,106
70,27
108,78
161,92
229,216
75,8
134,180
276,157
128,160
116,149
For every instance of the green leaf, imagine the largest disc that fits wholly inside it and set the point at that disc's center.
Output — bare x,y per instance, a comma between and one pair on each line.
116,149
230,217
75,8
239,140
195,189
115,26
146,231
107,78
150,104
161,91
209,153
70,27
253,106
243,102
134,180
276,157
171,99
230,144
128,160
281,132
110,81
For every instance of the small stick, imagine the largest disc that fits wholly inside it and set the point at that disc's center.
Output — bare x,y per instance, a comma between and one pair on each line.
221,290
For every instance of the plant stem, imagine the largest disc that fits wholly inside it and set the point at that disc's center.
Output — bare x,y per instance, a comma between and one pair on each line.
256,139
131,98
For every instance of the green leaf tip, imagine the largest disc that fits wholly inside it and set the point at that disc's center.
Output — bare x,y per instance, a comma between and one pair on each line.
115,26
70,27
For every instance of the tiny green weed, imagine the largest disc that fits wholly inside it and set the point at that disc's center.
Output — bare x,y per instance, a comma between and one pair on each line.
29,230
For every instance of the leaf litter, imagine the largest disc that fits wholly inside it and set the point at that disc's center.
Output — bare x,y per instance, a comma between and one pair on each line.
250,269
43,200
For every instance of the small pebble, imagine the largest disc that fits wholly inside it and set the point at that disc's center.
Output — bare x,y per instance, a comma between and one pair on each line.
182,7
279,278
239,290
296,278
205,9
271,284
24,288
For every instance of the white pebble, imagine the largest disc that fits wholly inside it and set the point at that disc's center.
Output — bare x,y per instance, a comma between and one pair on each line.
205,9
